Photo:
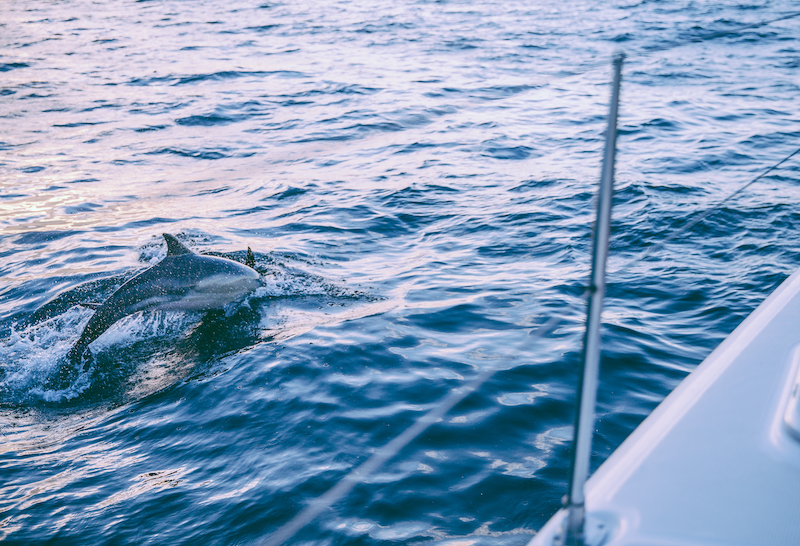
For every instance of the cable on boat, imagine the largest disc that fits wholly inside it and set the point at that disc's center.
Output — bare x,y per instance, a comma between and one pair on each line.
389,450
723,33
649,51
701,216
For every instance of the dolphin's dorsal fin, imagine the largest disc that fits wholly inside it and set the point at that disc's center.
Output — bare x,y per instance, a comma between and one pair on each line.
250,260
174,246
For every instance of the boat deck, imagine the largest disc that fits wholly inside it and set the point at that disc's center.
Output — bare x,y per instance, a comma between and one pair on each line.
718,461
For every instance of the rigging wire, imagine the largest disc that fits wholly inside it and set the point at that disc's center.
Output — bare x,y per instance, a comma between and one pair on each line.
721,33
650,51
389,450
701,216
420,425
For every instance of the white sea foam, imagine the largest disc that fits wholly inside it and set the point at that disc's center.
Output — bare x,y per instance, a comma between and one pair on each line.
30,355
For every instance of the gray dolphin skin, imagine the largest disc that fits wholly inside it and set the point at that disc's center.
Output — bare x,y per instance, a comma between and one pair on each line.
183,281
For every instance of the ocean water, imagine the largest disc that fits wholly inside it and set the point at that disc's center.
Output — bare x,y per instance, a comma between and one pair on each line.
417,181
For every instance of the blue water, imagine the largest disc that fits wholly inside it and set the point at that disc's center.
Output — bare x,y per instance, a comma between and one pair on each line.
417,181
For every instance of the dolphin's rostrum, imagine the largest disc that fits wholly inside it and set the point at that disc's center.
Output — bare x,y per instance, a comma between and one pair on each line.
182,281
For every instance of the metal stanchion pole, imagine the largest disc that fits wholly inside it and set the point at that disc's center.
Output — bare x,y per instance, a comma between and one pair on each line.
587,388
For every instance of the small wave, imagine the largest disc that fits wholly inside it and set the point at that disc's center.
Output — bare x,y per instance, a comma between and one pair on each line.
42,237
33,169
214,76
150,128
211,119
195,154
79,124
5,67
508,152
263,28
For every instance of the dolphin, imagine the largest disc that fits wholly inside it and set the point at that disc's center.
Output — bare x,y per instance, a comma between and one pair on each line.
182,281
